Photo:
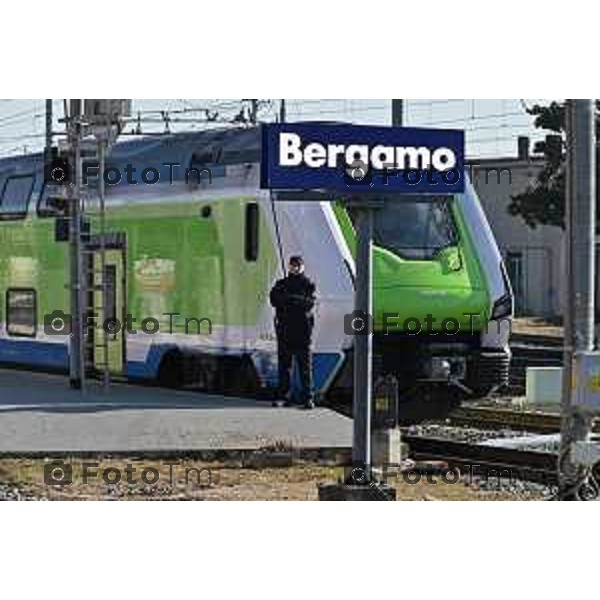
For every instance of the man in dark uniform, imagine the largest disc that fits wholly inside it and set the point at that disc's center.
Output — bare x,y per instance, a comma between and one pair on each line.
293,298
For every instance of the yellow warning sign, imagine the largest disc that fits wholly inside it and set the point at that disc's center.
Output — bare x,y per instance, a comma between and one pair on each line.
593,383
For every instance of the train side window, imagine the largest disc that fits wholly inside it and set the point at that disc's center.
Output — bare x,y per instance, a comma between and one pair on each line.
251,232
16,193
516,274
21,312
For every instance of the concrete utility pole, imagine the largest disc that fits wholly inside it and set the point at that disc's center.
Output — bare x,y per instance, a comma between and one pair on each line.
580,263
76,358
397,113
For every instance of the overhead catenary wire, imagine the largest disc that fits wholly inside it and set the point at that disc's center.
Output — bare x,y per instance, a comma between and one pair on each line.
480,119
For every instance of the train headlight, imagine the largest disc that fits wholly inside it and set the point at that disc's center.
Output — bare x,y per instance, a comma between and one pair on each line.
503,307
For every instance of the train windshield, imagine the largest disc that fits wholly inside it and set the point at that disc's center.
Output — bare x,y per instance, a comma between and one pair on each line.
415,227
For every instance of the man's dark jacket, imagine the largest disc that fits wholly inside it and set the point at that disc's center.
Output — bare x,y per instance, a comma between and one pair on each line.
294,299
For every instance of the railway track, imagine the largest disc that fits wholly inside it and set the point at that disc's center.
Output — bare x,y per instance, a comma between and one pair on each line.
509,418
505,418
532,339
487,462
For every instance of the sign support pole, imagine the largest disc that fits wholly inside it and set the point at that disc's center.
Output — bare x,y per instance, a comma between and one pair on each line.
363,344
359,483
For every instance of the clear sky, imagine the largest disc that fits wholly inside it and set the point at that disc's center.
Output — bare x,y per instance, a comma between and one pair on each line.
492,126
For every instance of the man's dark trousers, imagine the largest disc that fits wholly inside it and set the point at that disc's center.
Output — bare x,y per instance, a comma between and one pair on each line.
303,355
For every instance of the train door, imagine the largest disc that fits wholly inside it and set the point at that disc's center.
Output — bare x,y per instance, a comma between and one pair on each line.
107,336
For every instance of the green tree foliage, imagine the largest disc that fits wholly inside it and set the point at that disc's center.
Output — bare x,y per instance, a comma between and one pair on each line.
543,202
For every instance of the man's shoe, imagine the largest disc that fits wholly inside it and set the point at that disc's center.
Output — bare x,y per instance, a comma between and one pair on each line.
309,405
285,403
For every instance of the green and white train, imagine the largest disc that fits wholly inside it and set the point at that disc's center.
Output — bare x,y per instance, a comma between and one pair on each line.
197,256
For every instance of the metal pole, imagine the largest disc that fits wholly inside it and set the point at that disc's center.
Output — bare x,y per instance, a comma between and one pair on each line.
49,119
363,344
282,107
101,194
580,262
76,371
397,113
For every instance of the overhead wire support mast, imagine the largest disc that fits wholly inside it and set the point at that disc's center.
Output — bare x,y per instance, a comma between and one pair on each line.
76,351
103,141
397,113
49,117
282,111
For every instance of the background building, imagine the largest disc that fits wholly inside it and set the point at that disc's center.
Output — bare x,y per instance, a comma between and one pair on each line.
534,257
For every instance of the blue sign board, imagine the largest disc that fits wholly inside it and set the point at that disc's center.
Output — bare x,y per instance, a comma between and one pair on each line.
357,158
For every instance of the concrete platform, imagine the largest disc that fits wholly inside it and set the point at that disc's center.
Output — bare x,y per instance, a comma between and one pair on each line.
40,414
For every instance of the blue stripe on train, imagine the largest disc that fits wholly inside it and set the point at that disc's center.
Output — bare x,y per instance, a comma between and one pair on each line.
35,354
55,356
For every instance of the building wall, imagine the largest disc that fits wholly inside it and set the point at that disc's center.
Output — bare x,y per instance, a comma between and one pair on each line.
534,256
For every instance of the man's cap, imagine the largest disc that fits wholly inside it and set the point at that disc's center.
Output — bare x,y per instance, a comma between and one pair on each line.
296,260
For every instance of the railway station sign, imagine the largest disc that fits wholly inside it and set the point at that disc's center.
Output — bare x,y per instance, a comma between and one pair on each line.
358,158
